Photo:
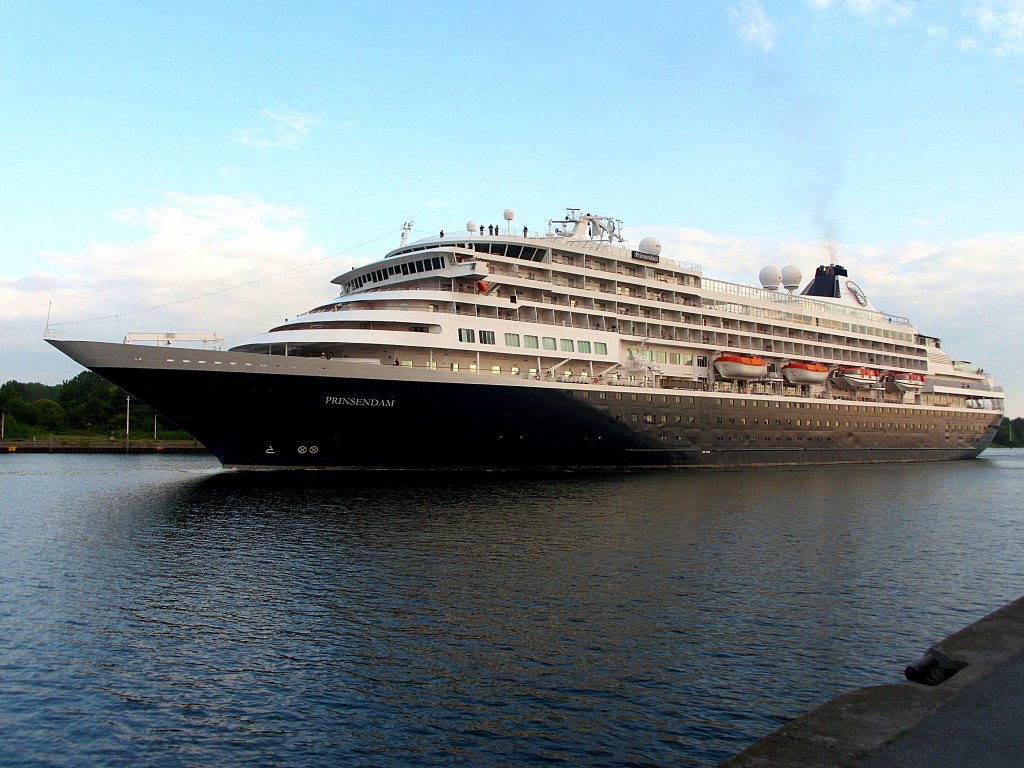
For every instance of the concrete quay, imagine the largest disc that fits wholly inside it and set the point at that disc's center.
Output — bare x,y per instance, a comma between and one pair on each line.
968,710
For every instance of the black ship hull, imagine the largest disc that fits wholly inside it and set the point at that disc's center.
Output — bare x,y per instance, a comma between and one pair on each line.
301,413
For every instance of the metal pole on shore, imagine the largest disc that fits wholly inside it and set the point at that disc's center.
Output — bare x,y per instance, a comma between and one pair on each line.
127,416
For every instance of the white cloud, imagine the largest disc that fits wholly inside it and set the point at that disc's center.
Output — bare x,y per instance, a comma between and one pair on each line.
279,129
753,25
233,265
1001,21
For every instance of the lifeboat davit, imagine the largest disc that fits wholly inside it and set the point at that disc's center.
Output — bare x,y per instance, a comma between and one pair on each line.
740,367
799,372
854,377
904,382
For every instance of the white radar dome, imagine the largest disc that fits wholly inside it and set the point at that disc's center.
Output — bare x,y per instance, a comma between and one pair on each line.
791,277
770,278
471,225
651,245
509,214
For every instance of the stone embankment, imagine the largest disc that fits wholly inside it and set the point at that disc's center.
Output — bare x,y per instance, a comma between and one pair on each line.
963,705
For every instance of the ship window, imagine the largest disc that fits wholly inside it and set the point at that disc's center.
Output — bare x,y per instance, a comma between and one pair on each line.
472,367
495,369
455,367
566,345
661,357
600,348
674,358
702,361
584,346
467,334
549,342
407,363
515,370
511,339
533,372
486,337
530,342
648,418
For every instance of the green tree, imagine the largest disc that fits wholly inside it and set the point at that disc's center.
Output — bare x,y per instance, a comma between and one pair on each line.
1011,432
48,414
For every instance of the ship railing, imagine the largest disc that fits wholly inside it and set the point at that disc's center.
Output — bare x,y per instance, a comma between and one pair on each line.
621,311
749,292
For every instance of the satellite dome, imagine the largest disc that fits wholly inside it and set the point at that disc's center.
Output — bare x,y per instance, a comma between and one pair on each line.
791,277
509,214
651,245
471,225
770,278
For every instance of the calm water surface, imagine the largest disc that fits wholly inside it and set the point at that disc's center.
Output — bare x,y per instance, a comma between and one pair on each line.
157,611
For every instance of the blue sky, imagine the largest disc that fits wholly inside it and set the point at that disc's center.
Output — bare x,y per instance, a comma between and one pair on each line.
151,152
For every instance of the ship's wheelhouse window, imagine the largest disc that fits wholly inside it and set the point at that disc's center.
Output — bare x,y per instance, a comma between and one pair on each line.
583,346
530,342
486,337
549,342
566,345
600,348
467,334
511,339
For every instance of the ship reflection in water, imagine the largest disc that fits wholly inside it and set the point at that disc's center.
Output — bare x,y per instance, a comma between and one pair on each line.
157,611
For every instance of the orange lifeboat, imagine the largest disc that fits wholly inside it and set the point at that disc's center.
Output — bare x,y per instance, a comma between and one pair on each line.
799,372
740,366
855,377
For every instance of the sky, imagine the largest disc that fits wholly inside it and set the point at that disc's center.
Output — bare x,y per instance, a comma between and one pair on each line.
210,167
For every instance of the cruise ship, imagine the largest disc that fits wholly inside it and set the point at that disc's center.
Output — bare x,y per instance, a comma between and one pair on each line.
499,348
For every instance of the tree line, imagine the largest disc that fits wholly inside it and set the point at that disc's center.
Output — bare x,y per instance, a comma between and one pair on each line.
85,405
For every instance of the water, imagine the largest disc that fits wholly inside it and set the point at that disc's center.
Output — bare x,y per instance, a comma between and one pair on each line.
156,611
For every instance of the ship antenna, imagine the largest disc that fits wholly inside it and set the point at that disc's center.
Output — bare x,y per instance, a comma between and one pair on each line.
405,234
